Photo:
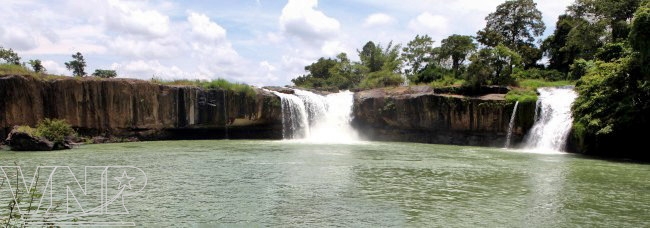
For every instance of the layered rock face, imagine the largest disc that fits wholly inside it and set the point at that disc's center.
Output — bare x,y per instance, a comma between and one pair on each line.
419,114
125,107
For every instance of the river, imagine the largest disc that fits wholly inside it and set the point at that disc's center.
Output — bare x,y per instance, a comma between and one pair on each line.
369,184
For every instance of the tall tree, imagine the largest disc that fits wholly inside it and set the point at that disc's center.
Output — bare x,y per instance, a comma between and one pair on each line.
417,54
640,38
458,48
9,56
77,65
37,66
370,56
555,46
609,15
493,66
516,24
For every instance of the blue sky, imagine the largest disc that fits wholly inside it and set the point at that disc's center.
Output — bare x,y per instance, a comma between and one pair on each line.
253,41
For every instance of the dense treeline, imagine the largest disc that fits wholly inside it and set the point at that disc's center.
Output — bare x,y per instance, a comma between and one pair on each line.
613,108
508,51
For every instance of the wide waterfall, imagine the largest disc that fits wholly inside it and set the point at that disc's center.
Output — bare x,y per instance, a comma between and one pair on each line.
553,120
319,119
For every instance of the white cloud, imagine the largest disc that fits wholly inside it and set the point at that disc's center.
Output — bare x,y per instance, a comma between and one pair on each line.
378,19
18,38
332,48
203,27
127,18
167,47
148,69
428,23
53,67
300,18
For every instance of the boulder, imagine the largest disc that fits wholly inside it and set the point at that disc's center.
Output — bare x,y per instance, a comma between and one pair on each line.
22,141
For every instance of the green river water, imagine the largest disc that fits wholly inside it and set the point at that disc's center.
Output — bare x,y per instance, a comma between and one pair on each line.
280,183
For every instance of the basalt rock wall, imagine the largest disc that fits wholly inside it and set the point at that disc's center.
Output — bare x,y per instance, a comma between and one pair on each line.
126,107
419,114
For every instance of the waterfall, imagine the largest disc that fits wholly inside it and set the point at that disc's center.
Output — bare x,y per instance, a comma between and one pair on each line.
511,125
334,126
319,119
553,119
295,123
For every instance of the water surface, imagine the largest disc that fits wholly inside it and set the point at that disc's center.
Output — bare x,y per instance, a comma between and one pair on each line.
274,183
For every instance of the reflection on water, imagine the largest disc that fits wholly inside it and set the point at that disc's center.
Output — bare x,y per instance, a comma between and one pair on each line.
270,183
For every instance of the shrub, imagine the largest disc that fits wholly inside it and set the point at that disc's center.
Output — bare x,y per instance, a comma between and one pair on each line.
54,130
534,73
381,79
105,73
579,68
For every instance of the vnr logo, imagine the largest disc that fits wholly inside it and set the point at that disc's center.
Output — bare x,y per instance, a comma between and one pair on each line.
57,196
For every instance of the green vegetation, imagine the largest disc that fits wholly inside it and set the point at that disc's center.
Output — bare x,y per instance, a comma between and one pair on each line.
537,83
509,54
527,89
37,66
9,56
515,24
54,130
214,84
12,69
522,95
77,65
51,129
105,73
614,94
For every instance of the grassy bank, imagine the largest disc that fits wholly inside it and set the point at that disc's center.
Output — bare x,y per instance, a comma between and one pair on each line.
11,69
214,84
527,89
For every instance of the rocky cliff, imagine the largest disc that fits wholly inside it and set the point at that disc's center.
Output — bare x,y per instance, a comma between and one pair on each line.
126,107
419,114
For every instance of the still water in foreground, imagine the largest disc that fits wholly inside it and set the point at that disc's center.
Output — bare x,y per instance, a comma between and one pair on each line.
274,183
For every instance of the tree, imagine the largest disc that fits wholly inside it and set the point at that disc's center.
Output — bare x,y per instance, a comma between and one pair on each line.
37,66
417,54
77,65
370,56
492,66
640,37
555,47
458,48
516,24
105,73
9,56
608,15
330,74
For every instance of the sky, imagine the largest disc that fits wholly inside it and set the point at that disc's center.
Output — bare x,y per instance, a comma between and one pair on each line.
257,42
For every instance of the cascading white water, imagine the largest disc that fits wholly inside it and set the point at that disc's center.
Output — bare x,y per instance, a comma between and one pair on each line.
295,122
511,125
316,105
318,119
553,122
334,126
